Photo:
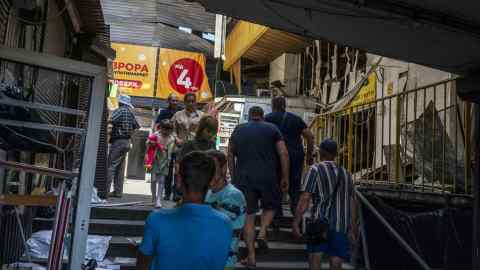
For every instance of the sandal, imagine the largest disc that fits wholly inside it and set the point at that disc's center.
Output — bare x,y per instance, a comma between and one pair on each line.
248,265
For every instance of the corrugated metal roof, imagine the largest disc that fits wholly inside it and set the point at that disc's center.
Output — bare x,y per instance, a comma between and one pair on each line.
171,12
158,35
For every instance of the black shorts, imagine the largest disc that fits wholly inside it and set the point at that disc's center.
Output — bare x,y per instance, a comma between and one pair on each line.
270,199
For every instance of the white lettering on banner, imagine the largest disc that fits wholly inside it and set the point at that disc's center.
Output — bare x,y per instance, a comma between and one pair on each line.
184,80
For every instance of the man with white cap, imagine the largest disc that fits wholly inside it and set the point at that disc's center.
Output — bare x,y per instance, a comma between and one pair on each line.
124,125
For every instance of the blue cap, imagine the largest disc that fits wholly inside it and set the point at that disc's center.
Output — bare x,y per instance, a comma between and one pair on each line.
329,146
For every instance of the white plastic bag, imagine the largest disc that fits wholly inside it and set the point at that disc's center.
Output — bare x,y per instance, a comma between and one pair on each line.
39,245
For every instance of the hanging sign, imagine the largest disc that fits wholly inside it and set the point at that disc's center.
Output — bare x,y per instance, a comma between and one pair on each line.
134,69
182,72
366,94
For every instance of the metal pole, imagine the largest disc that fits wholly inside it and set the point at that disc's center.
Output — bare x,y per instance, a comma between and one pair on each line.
350,139
87,173
476,193
397,142
468,150
364,237
395,234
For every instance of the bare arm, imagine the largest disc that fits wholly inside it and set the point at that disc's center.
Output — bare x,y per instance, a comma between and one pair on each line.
285,163
303,204
143,262
309,138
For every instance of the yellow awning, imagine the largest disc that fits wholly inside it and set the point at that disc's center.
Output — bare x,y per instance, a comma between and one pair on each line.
259,43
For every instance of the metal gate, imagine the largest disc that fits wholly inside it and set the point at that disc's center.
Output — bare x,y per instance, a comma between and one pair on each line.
418,139
95,76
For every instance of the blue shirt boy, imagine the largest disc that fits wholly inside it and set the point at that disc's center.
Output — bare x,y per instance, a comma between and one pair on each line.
231,202
193,236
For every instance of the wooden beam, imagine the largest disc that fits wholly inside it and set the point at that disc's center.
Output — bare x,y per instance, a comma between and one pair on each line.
28,200
37,169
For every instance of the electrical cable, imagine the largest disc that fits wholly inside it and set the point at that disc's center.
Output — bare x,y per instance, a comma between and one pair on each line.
35,141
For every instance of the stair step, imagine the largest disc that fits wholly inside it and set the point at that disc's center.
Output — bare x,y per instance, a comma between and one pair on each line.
266,265
134,228
125,247
121,213
142,212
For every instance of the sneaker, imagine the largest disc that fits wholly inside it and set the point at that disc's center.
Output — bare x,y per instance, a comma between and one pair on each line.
158,205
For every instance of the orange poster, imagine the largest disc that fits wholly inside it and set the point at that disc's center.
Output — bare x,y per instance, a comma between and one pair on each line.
134,69
181,72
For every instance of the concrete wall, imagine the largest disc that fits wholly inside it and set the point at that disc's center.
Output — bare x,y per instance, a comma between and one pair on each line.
285,69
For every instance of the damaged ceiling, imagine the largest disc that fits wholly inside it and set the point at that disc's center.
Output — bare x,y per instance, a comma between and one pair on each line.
441,34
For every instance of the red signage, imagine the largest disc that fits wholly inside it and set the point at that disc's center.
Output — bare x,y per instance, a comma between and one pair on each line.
130,67
186,75
128,83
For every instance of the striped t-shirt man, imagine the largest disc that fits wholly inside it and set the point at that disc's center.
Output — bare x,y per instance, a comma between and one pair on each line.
321,181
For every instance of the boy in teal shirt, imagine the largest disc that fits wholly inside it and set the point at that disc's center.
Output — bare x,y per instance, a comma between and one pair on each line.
226,198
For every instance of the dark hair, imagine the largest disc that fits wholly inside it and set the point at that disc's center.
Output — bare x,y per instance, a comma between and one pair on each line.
189,94
197,170
255,111
166,124
206,122
219,156
279,104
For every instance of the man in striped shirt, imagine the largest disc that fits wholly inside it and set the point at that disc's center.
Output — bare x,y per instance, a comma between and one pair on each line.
335,204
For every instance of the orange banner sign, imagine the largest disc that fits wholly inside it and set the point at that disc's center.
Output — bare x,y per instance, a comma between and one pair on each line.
134,69
181,72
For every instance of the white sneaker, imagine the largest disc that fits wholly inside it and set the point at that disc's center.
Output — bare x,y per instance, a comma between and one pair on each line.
158,205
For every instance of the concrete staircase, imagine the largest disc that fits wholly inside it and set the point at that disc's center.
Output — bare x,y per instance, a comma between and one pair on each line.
125,225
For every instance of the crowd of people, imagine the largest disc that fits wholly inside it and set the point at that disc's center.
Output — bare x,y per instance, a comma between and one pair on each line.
219,194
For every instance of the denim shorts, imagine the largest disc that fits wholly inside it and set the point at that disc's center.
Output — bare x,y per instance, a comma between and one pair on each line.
337,246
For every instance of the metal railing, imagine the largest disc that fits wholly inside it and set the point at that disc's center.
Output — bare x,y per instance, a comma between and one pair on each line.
418,139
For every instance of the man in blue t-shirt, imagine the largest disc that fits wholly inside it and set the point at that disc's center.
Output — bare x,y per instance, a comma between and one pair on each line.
193,236
256,148
293,129
226,198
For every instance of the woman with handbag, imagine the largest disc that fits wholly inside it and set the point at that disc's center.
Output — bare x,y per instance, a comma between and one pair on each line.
332,228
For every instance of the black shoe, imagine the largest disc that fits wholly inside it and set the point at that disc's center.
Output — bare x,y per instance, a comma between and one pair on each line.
115,195
262,248
167,198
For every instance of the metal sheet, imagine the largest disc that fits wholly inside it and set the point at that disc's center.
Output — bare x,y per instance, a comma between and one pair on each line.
171,12
158,35
433,164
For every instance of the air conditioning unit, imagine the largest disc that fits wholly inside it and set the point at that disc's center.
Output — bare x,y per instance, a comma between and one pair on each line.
264,93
